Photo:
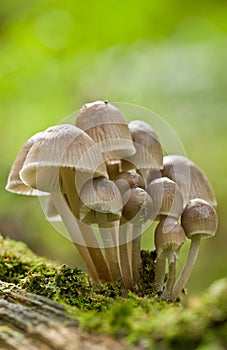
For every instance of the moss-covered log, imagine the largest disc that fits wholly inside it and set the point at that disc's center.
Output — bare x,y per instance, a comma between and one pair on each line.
29,321
45,306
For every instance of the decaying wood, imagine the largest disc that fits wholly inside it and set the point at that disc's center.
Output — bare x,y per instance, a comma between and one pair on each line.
33,322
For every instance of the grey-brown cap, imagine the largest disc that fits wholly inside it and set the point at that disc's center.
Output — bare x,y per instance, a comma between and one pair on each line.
199,219
129,179
167,197
62,145
169,235
100,195
191,180
105,124
148,148
14,182
138,206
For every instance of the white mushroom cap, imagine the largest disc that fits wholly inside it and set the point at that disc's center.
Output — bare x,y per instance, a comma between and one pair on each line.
191,180
148,148
105,124
15,183
62,145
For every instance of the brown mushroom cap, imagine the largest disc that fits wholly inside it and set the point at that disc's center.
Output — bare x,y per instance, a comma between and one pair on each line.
148,148
192,182
138,206
127,180
167,197
105,124
14,182
199,218
60,146
169,235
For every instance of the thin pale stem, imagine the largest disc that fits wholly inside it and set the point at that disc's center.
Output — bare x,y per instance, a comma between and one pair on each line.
187,268
136,257
110,245
170,280
124,253
68,187
73,229
160,269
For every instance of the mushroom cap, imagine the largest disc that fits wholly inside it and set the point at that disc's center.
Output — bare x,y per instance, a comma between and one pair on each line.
127,180
148,148
105,124
14,182
199,219
62,145
100,195
167,197
138,206
169,235
191,180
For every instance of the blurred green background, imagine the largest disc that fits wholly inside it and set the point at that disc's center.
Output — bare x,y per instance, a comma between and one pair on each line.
169,56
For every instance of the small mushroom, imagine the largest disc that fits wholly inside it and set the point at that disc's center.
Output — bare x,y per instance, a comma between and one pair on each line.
127,180
138,209
191,180
169,237
199,220
101,203
167,198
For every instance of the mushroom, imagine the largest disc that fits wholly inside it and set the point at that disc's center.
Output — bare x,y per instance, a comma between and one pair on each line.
167,197
124,182
199,220
138,209
168,202
56,158
192,182
101,203
105,124
169,237
148,153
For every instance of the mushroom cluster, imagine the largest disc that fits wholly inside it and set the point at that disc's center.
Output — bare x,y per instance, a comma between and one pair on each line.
107,180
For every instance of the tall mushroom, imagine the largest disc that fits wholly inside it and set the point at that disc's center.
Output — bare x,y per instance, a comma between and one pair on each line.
105,124
55,159
199,220
138,209
169,237
101,203
168,203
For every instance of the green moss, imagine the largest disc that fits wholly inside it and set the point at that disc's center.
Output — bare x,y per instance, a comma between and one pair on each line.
141,319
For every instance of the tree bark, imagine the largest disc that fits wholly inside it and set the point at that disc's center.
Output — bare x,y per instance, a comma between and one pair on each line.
32,322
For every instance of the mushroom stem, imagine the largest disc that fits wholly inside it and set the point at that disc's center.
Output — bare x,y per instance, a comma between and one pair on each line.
110,245
124,253
136,258
68,186
187,268
160,268
95,252
73,229
170,280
